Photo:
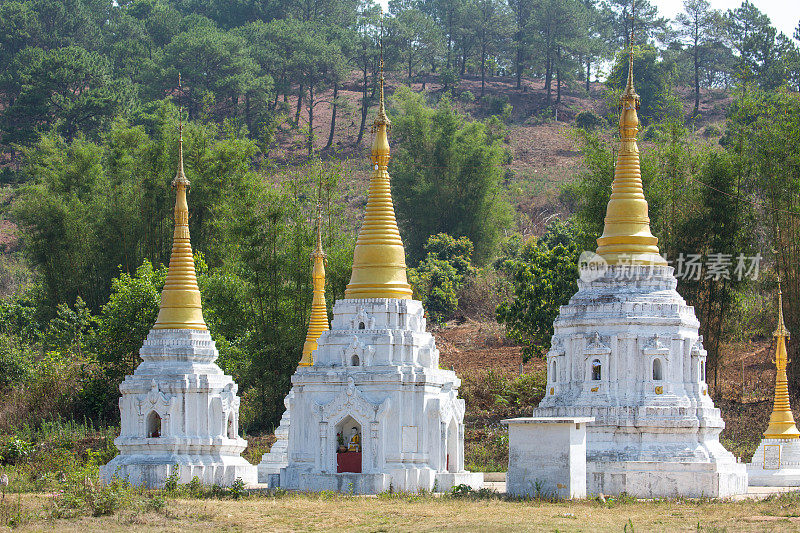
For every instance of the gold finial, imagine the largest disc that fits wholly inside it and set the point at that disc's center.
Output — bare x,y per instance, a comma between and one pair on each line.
379,260
381,118
180,177
181,307
318,322
781,421
626,236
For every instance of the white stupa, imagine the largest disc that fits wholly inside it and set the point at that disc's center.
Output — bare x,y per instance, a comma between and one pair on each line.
626,351
374,412
179,410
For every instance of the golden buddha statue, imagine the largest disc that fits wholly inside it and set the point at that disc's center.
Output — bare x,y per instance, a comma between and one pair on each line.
355,441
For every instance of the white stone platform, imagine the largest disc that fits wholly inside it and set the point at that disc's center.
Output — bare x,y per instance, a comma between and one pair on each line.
178,409
547,457
626,352
776,463
377,370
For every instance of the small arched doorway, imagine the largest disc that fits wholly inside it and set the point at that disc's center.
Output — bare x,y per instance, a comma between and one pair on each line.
349,444
231,427
597,370
452,446
153,425
658,373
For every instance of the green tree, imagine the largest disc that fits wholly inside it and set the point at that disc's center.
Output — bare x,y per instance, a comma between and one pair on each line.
69,87
439,277
127,317
544,275
444,160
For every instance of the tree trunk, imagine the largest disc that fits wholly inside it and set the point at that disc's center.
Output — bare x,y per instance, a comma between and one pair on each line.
299,106
333,116
364,107
310,141
548,77
519,60
696,80
588,73
483,69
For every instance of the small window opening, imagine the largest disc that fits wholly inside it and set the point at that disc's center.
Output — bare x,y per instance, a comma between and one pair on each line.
231,427
657,373
553,376
702,370
596,370
153,425
354,361
361,325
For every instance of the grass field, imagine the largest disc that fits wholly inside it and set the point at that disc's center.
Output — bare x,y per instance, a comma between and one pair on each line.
332,512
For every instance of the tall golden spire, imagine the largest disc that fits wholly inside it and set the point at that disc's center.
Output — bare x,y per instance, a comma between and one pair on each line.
319,310
626,235
379,261
180,299
781,421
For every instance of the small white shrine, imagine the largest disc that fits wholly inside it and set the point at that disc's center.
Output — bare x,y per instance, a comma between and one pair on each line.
776,462
626,351
374,412
179,410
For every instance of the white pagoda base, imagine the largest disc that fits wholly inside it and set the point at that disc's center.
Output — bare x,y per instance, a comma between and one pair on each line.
776,463
178,410
376,370
626,351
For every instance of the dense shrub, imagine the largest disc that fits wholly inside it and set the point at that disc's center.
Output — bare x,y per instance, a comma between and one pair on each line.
441,274
588,120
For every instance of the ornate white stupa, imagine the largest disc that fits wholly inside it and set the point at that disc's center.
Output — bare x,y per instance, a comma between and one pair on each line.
374,412
179,410
271,463
626,351
776,462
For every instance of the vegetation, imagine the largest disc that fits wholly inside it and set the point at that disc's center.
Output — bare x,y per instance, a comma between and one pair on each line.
89,107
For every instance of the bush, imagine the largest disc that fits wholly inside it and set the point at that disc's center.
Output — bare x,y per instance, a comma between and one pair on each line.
467,97
544,273
441,274
588,120
712,131
495,105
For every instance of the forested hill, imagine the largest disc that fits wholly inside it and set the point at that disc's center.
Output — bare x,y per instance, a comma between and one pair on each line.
504,114
74,66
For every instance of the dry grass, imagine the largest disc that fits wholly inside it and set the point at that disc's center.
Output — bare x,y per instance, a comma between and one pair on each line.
328,512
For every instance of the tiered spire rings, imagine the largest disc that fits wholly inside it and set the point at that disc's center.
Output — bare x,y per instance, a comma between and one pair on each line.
318,322
626,235
379,261
781,421
180,300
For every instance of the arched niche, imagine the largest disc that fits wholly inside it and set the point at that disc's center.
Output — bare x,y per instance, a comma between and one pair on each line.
153,425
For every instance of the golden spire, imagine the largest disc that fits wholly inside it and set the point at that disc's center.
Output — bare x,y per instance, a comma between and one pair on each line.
781,421
379,261
180,299
319,310
626,235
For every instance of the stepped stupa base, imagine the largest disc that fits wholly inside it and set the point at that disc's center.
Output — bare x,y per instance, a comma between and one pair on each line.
666,479
153,471
776,463
410,480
